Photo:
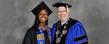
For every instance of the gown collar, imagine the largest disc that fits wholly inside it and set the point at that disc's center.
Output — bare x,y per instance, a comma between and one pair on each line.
65,21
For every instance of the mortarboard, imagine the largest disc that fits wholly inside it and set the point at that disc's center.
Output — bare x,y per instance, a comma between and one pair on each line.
39,7
58,4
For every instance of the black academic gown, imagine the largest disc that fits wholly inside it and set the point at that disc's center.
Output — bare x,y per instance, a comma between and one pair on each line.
30,37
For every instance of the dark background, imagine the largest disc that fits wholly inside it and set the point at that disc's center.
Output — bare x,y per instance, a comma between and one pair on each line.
16,18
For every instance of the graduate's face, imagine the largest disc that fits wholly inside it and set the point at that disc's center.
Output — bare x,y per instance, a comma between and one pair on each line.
62,13
43,16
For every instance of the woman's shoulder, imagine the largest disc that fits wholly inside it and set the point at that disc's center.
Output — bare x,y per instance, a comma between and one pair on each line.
30,30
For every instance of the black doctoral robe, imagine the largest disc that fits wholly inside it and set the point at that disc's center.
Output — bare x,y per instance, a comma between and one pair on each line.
76,33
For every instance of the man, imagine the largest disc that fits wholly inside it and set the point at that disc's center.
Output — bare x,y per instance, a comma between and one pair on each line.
67,30
39,33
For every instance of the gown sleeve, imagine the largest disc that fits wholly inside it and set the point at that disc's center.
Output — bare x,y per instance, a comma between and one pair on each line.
27,38
53,29
81,36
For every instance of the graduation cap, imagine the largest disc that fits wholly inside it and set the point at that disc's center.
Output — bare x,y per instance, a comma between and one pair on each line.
39,7
59,4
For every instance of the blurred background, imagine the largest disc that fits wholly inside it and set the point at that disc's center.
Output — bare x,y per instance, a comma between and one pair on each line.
16,17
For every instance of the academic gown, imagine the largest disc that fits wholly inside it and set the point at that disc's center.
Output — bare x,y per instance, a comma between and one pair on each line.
30,36
76,33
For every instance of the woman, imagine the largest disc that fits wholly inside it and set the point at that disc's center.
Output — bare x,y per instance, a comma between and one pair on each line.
39,33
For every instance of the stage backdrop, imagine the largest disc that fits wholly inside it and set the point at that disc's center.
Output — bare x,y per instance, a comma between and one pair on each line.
16,17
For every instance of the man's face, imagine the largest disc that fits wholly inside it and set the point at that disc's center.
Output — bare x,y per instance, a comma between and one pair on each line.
62,13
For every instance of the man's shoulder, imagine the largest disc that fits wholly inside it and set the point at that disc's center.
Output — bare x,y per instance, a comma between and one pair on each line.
72,21
56,23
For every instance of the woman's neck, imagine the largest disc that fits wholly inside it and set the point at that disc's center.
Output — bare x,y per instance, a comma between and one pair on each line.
42,25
